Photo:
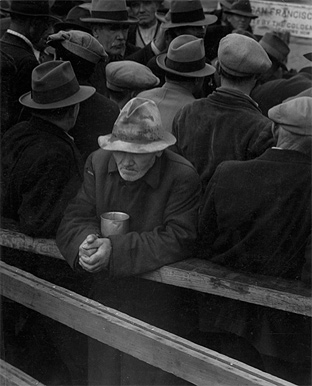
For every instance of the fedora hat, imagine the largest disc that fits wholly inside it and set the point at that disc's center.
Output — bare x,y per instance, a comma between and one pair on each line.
73,21
275,47
185,13
79,43
109,12
242,8
53,86
226,3
294,115
38,8
138,129
186,57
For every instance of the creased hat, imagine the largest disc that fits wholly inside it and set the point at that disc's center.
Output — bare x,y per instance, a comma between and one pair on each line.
129,75
109,12
242,8
73,21
240,55
186,57
275,47
227,3
294,116
38,8
138,129
54,85
79,43
185,13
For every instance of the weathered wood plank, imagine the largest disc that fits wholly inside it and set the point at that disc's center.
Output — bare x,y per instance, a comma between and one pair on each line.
204,276
199,275
11,376
171,353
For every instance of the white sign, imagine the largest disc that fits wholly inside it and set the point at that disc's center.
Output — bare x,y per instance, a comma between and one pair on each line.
294,18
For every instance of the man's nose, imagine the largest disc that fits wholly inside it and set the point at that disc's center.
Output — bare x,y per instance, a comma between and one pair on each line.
128,160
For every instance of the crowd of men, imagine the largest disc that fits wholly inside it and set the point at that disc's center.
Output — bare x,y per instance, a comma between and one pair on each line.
192,125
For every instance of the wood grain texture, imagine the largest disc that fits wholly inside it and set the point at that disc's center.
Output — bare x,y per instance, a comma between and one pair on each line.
169,352
11,376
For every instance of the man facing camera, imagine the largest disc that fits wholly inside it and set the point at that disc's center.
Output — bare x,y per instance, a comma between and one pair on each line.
135,173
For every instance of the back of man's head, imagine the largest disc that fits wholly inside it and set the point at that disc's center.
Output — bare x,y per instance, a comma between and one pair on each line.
293,124
241,58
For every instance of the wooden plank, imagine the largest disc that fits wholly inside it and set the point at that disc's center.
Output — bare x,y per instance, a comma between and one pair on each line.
171,353
11,376
199,275
204,276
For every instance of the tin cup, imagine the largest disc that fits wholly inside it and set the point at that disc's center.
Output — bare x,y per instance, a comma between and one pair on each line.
114,223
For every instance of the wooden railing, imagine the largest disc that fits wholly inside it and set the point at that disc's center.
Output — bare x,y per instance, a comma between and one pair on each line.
194,363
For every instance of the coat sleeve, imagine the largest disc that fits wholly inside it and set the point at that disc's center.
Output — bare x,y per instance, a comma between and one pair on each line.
80,218
174,240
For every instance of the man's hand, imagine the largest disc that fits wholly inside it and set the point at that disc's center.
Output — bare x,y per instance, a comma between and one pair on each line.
94,253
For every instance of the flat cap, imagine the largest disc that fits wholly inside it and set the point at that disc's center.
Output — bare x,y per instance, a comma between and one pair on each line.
240,55
294,115
128,75
79,43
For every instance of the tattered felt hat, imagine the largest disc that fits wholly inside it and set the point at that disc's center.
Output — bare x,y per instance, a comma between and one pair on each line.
185,57
294,115
38,8
128,75
241,56
54,85
138,129
186,13
73,21
275,47
242,8
79,43
109,12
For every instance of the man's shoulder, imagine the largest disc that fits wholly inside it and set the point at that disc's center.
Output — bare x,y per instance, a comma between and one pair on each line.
178,162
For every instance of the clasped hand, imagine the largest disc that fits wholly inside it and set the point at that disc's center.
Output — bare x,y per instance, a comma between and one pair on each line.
94,253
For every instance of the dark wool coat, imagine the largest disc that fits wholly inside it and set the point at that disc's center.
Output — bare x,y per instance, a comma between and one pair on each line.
41,172
227,125
274,92
24,61
163,207
256,218
96,117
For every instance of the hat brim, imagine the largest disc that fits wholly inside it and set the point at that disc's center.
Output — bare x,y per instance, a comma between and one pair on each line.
241,13
130,20
84,93
308,56
7,10
64,26
108,142
206,71
209,19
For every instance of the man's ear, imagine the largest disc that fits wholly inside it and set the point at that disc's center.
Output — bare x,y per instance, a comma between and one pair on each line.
217,66
275,130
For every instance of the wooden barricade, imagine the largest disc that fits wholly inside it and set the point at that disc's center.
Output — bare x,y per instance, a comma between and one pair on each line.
167,351
157,347
11,376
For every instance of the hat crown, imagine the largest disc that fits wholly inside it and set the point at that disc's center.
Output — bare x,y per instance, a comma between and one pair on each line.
186,48
109,9
30,7
294,116
274,46
240,55
186,10
53,81
129,75
76,13
241,5
139,122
